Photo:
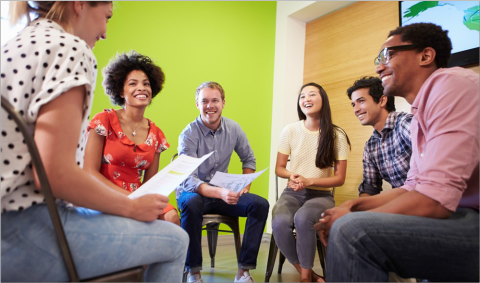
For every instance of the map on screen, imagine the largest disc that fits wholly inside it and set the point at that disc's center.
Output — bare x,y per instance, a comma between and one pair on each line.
460,18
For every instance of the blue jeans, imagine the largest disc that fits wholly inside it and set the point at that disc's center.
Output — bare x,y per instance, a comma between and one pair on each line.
365,246
299,211
194,206
100,244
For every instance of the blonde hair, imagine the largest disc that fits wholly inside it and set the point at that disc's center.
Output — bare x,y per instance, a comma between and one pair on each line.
212,85
52,10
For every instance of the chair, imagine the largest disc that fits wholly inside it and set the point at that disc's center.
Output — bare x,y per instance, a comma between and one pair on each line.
212,223
272,254
129,275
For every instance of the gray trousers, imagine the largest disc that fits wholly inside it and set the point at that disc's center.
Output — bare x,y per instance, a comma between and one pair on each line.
299,211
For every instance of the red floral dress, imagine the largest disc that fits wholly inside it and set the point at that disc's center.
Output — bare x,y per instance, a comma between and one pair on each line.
123,162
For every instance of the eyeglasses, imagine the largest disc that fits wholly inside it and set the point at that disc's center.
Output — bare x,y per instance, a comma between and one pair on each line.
384,55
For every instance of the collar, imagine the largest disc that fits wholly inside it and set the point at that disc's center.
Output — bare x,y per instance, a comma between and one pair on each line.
389,124
206,130
46,23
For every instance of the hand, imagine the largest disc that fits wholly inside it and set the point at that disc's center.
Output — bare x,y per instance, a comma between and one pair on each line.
245,190
229,197
148,207
328,218
297,182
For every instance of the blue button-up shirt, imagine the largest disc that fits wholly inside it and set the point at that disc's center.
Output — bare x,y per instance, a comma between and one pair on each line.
197,140
387,154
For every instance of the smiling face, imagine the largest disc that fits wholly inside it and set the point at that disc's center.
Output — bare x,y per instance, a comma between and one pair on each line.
310,101
136,89
367,110
91,24
399,73
210,105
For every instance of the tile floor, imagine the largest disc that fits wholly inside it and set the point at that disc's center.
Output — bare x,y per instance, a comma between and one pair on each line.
226,265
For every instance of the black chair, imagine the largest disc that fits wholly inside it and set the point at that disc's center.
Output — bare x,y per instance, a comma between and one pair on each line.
272,253
212,223
129,275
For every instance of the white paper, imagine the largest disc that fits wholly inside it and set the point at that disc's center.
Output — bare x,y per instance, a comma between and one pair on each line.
170,177
234,182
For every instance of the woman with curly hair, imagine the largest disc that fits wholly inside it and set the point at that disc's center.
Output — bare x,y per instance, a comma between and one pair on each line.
123,144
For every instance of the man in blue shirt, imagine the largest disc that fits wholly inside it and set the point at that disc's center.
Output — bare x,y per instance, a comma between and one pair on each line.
387,153
196,197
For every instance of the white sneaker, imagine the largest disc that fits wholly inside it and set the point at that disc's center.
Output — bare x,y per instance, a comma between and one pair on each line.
195,278
245,278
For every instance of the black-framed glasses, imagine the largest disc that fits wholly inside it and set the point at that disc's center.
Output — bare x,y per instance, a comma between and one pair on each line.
384,55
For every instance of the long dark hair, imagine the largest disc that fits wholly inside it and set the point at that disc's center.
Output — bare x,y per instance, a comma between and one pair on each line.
326,141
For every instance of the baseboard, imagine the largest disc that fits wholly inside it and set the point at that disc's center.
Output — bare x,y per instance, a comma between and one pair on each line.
224,240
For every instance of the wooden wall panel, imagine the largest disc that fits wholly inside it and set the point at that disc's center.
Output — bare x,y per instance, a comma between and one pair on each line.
339,49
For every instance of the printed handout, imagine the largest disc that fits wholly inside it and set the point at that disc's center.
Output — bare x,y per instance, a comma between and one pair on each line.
234,182
165,181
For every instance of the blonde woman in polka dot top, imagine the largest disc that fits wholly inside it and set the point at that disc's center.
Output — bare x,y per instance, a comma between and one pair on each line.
314,145
48,74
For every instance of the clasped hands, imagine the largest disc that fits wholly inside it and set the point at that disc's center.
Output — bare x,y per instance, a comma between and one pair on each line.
297,182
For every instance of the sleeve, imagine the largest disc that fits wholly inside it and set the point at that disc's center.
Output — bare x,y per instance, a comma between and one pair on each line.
341,145
244,150
449,151
284,142
188,146
76,67
372,181
100,123
161,143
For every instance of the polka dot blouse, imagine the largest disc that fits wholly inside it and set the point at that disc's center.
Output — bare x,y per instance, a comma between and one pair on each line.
39,64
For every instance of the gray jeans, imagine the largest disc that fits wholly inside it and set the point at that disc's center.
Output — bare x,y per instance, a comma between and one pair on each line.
299,211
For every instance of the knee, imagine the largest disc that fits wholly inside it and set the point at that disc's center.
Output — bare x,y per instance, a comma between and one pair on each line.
344,228
182,237
191,204
305,219
280,222
259,206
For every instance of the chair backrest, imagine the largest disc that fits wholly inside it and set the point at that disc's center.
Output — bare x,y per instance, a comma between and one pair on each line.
45,187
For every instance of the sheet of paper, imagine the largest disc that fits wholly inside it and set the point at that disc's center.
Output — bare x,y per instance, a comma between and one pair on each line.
165,181
234,182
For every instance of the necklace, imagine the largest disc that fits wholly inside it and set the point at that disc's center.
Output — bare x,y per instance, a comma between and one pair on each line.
134,133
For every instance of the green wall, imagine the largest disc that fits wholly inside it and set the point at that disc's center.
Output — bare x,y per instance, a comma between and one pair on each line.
231,42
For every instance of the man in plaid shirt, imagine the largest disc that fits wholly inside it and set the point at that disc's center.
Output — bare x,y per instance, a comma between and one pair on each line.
387,152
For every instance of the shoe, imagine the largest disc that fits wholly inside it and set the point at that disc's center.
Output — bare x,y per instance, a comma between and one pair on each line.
245,278
195,278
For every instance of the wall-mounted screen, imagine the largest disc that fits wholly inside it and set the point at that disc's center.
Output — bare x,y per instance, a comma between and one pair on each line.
460,18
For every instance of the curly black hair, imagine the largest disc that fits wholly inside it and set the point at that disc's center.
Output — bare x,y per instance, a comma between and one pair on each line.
427,35
375,89
117,70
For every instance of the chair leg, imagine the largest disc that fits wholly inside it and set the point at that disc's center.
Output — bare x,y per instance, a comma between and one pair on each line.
272,254
322,254
281,261
212,237
235,227
185,274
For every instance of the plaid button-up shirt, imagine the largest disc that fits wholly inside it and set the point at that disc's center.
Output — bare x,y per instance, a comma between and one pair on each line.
387,154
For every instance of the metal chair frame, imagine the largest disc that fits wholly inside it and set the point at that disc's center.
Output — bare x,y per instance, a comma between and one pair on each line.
212,223
128,275
272,254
